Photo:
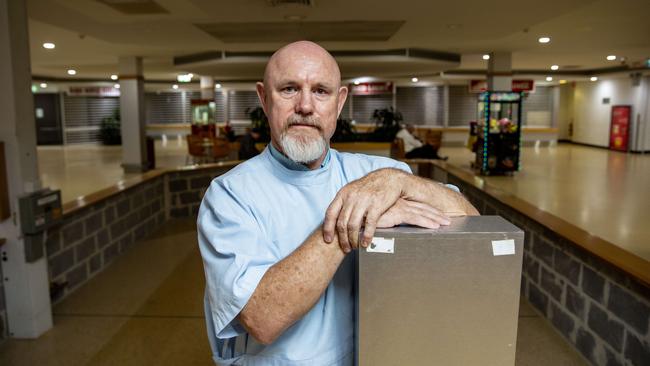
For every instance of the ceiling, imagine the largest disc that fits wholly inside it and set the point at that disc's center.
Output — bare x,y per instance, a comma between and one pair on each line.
90,35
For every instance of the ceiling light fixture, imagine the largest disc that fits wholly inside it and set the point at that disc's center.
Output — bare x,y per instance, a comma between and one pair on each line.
611,58
356,82
544,39
594,78
217,86
116,86
549,78
43,85
49,45
113,77
555,67
486,57
562,81
174,86
414,80
72,72
185,78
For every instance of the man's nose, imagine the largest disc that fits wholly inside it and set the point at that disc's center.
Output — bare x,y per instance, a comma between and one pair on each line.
305,103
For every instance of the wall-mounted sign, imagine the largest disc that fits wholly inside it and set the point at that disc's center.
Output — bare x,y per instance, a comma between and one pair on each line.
93,91
619,132
518,85
371,88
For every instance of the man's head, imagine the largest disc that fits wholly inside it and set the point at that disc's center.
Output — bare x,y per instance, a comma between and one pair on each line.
302,97
410,128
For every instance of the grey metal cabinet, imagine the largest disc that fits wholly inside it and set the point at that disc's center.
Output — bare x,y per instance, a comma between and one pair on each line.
440,297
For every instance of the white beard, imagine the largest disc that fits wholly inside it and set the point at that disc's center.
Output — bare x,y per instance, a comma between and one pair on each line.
303,150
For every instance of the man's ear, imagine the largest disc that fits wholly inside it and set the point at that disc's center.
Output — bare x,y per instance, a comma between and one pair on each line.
261,94
343,95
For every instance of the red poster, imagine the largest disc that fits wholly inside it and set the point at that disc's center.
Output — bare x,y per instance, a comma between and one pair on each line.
620,129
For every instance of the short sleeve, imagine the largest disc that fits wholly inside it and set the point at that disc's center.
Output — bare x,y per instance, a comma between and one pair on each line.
235,256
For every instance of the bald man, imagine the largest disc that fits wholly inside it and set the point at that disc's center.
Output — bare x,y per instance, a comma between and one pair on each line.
275,231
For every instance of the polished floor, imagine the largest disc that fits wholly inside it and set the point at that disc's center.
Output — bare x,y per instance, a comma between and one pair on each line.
603,192
150,313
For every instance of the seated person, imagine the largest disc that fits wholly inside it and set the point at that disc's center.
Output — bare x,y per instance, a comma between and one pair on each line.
414,148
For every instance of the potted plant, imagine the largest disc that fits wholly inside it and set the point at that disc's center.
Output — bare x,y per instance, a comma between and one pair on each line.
260,122
387,122
110,132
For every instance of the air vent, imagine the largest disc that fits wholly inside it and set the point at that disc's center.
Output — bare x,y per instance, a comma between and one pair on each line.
135,7
570,67
276,3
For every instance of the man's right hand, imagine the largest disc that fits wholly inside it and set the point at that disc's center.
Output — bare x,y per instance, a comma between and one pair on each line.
412,213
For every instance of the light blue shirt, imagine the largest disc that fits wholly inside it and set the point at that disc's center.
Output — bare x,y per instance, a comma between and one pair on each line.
251,218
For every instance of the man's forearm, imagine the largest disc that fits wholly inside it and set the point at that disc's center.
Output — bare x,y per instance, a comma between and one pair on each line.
290,288
450,202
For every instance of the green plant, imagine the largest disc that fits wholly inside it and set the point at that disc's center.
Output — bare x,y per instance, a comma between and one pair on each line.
345,131
110,132
260,122
387,122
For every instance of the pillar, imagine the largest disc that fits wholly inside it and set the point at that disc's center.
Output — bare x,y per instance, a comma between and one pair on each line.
207,87
499,75
134,148
26,287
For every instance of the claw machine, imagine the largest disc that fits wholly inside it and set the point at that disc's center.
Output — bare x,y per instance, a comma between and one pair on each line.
498,145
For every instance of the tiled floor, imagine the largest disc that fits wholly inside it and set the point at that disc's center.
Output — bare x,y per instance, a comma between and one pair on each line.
149,312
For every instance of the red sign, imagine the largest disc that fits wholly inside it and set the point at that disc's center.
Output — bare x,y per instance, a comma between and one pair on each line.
371,88
619,132
518,85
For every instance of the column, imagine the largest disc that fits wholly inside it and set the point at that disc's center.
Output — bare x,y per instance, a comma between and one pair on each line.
134,148
499,75
27,295
207,87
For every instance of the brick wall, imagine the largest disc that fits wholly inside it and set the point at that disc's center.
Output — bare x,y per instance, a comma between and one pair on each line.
600,310
186,189
90,239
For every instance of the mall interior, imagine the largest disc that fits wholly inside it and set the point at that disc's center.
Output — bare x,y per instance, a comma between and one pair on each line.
117,115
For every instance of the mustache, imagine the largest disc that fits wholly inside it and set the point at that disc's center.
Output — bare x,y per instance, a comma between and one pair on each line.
297,119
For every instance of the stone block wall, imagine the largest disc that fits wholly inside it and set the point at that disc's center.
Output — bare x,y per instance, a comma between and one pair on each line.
186,189
88,240
600,310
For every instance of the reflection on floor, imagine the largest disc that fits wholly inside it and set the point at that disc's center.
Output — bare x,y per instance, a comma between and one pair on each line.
150,312
603,192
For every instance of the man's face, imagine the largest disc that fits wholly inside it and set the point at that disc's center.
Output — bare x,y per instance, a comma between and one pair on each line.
302,98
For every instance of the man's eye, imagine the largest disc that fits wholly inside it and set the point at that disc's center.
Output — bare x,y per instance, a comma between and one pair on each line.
289,89
321,91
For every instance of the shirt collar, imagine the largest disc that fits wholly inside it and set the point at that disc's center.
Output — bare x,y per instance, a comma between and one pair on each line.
292,165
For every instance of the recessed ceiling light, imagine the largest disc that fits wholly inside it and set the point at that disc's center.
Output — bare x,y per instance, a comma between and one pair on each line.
611,57
549,78
43,85
594,78
356,82
72,72
217,86
49,45
555,67
414,80
174,86
562,81
544,39
116,86
113,77
486,57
